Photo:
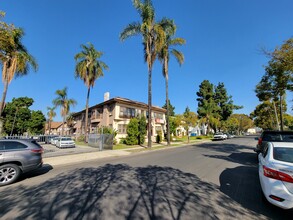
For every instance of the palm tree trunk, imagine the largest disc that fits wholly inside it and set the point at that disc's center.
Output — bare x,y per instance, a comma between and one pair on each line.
2,104
150,109
49,125
62,132
167,119
87,113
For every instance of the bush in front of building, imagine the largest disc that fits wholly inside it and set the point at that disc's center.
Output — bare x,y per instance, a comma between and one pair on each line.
159,137
132,132
142,128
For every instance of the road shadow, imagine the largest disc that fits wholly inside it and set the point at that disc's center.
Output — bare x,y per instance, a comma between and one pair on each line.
245,158
223,146
121,192
38,172
242,185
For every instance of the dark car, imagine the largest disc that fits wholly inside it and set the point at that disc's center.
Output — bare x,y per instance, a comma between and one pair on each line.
273,136
18,156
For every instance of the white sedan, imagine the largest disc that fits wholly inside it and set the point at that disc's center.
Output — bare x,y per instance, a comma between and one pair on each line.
63,142
276,173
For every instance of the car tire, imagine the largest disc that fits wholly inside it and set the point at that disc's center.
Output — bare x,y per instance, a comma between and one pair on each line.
9,173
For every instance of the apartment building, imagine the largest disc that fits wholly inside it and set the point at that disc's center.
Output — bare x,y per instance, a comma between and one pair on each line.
116,113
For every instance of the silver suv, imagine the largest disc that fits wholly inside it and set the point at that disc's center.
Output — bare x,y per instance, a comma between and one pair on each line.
18,156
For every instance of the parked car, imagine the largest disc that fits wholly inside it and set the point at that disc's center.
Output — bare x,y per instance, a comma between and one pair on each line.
273,136
220,136
64,142
18,156
54,140
276,173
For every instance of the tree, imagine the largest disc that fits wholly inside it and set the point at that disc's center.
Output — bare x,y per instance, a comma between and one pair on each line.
64,103
171,108
189,120
89,68
274,84
36,123
142,125
288,121
164,57
264,116
16,61
153,36
207,108
132,132
51,114
19,118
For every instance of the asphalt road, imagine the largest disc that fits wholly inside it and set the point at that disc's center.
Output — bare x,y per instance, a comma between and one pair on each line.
214,180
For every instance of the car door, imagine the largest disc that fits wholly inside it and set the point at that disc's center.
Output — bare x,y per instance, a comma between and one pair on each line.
262,158
2,153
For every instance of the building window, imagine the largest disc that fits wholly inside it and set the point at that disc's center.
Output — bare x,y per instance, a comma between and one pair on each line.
122,128
127,112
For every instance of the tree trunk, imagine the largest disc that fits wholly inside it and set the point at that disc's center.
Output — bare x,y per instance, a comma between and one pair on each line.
2,104
276,115
62,132
167,119
49,126
150,109
86,114
281,112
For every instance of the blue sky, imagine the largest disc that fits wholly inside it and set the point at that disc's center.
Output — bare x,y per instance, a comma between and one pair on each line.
223,45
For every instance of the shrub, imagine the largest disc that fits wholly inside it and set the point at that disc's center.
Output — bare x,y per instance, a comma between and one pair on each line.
132,132
159,137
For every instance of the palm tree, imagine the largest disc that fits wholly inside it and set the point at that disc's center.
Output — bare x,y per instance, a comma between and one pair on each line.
15,60
51,114
89,69
164,57
153,36
64,103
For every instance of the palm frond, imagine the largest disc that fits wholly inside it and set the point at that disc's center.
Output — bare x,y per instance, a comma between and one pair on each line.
130,30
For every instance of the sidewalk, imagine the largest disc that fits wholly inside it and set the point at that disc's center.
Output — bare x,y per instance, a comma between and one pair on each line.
55,157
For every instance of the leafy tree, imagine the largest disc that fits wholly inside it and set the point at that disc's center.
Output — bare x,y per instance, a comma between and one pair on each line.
142,125
153,38
36,123
189,120
224,102
51,114
18,115
264,116
64,103
171,108
288,121
15,60
231,125
274,84
164,56
207,108
89,68
132,132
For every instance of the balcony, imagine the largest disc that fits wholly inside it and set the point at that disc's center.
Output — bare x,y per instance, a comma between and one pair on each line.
96,119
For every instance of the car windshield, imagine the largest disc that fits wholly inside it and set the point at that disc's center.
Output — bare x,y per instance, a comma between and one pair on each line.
66,139
284,154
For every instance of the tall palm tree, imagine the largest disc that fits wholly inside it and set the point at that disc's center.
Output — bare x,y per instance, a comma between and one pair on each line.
15,60
89,68
153,36
164,57
51,114
64,103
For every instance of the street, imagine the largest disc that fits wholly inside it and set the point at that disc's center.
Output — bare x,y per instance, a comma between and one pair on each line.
212,180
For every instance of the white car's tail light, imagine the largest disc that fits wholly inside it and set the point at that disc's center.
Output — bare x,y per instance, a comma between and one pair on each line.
274,174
